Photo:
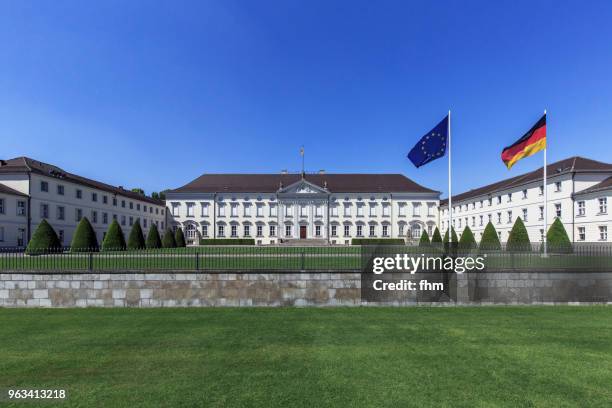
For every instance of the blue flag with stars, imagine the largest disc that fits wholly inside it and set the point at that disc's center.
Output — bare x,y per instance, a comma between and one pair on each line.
432,146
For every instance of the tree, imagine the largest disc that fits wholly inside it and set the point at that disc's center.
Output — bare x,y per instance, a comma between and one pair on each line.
454,236
84,239
436,238
168,240
138,191
162,194
179,238
153,239
490,240
136,238
424,241
114,240
44,240
557,238
518,240
467,241
155,195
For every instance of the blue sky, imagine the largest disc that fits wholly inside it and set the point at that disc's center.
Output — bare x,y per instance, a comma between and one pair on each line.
153,94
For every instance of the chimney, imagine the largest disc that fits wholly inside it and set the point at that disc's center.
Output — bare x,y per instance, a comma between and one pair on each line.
321,171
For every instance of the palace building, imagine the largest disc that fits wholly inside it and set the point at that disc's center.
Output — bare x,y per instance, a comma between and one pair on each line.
578,190
319,208
31,191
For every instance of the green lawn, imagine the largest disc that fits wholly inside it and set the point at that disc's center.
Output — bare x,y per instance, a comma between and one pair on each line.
487,356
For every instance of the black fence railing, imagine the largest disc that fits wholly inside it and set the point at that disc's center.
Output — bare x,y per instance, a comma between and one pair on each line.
576,257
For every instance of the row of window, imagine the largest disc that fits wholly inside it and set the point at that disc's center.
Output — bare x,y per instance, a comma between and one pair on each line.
602,229
44,187
602,204
289,230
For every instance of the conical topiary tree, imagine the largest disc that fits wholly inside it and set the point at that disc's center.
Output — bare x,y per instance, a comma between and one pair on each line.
84,238
467,241
44,240
153,239
114,240
179,238
557,239
518,240
436,238
136,238
454,236
424,241
490,240
168,240
451,246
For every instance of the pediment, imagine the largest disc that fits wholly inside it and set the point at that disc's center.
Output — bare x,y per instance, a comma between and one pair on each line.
303,187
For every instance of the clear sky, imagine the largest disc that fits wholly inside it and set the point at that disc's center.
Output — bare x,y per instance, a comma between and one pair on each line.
153,94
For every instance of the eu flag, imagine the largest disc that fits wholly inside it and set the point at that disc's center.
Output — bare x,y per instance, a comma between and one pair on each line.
432,146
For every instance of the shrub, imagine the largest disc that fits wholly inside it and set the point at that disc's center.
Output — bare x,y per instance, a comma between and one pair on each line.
168,239
84,239
424,241
557,239
227,241
136,238
490,240
377,241
518,240
179,238
454,236
436,238
467,241
44,240
114,240
153,239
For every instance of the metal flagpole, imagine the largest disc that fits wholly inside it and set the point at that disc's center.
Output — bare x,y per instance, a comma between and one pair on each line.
450,192
545,197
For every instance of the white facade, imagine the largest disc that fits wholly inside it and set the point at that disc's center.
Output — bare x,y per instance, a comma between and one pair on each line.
593,215
13,219
302,210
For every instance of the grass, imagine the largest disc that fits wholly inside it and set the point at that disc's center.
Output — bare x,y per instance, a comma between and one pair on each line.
371,357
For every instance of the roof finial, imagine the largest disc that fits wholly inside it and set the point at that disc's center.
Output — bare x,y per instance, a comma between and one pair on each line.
302,154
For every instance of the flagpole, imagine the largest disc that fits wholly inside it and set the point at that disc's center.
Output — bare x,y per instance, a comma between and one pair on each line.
450,191
545,198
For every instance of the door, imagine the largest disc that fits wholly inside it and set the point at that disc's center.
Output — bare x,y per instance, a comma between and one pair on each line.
302,232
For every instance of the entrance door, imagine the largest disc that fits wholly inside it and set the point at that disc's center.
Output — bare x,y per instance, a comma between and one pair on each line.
302,232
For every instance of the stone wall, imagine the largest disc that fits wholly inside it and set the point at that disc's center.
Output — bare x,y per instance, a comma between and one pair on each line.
288,289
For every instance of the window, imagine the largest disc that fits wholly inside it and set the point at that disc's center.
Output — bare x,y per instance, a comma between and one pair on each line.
347,230
581,234
287,230
498,199
386,210
122,203
204,230
499,218
509,217
78,214
360,210
273,210
94,217
1,205
259,210
372,210
490,202
234,231
416,209
603,205
541,213
247,230
131,205
175,209
509,197
204,209
60,214
557,186
480,205
272,230
44,186
104,218
402,209
60,189
114,202
334,230
288,211
347,210
79,194
259,230
481,220
317,230
459,221
44,210
603,233
581,210
385,230
144,222
138,209
558,210
359,230
524,214
490,216
319,211
131,221
221,230
221,210
400,229
416,231
94,197
21,208
190,209
104,199
524,194
303,211
123,220
247,210
473,221
541,189
1,234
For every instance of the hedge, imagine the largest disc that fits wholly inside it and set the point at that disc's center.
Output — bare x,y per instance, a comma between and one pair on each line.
179,238
168,239
114,240
467,241
84,239
455,239
436,238
136,238
377,241
557,239
424,241
44,240
153,239
518,240
490,239
227,241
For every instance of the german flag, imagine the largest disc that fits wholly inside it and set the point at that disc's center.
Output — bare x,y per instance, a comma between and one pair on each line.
531,143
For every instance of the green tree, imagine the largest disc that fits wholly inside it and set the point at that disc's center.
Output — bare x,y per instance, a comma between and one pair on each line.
454,236
136,238
153,239
168,239
518,240
424,241
179,238
114,240
557,238
155,195
84,238
490,240
44,240
138,191
436,238
467,241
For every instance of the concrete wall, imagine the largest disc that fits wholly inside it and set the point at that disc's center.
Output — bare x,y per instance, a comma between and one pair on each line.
288,289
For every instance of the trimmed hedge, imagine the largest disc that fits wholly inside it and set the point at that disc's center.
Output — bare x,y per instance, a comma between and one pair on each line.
455,239
467,241
179,238
84,239
377,241
227,241
436,238
490,239
168,239
518,240
153,239
114,240
557,239
424,241
136,239
44,240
